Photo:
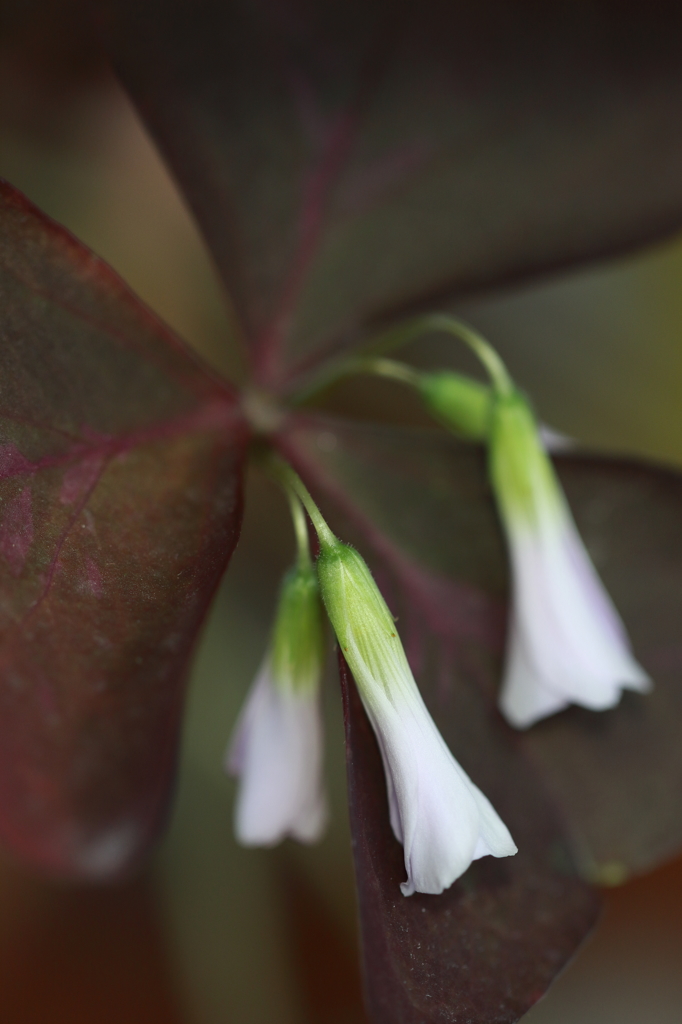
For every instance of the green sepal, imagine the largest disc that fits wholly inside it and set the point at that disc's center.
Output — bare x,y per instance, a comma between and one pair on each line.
362,621
461,404
297,652
521,472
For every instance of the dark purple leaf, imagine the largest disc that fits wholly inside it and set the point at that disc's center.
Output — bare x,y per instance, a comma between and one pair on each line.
78,954
350,159
420,503
120,503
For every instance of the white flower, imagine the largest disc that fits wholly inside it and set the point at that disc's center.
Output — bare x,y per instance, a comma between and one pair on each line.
437,813
277,753
277,746
567,644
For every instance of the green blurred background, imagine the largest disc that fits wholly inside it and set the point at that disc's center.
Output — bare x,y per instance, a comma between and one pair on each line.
212,934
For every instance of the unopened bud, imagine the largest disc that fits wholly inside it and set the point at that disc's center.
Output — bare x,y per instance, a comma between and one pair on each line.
461,404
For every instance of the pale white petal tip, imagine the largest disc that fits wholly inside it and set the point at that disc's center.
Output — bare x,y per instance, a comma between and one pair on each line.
525,699
640,681
497,844
307,826
525,704
523,707
276,752
554,441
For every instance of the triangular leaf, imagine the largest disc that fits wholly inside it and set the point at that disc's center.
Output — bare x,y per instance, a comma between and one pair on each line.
350,159
120,505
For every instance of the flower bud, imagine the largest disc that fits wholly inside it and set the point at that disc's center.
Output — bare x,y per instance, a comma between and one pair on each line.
437,813
461,404
277,746
567,643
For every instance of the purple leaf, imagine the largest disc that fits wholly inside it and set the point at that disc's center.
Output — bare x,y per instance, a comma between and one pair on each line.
120,503
349,160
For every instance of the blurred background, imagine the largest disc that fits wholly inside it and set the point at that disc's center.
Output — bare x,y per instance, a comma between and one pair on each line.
210,933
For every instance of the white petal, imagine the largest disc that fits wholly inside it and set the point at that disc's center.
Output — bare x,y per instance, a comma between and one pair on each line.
554,441
277,753
567,641
442,818
393,805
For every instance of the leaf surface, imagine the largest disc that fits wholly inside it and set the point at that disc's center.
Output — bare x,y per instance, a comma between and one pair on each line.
120,503
356,158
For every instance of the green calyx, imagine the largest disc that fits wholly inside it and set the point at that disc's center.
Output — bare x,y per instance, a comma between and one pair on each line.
461,404
364,626
354,604
521,472
297,651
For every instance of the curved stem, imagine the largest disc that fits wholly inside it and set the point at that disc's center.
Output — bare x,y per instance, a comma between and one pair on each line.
301,531
390,368
497,371
403,334
293,485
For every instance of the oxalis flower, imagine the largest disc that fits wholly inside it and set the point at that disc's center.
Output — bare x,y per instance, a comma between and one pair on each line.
277,747
442,819
567,643
437,813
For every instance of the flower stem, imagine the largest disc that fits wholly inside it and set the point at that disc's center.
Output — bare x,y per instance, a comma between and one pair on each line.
403,334
298,491
389,368
301,531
